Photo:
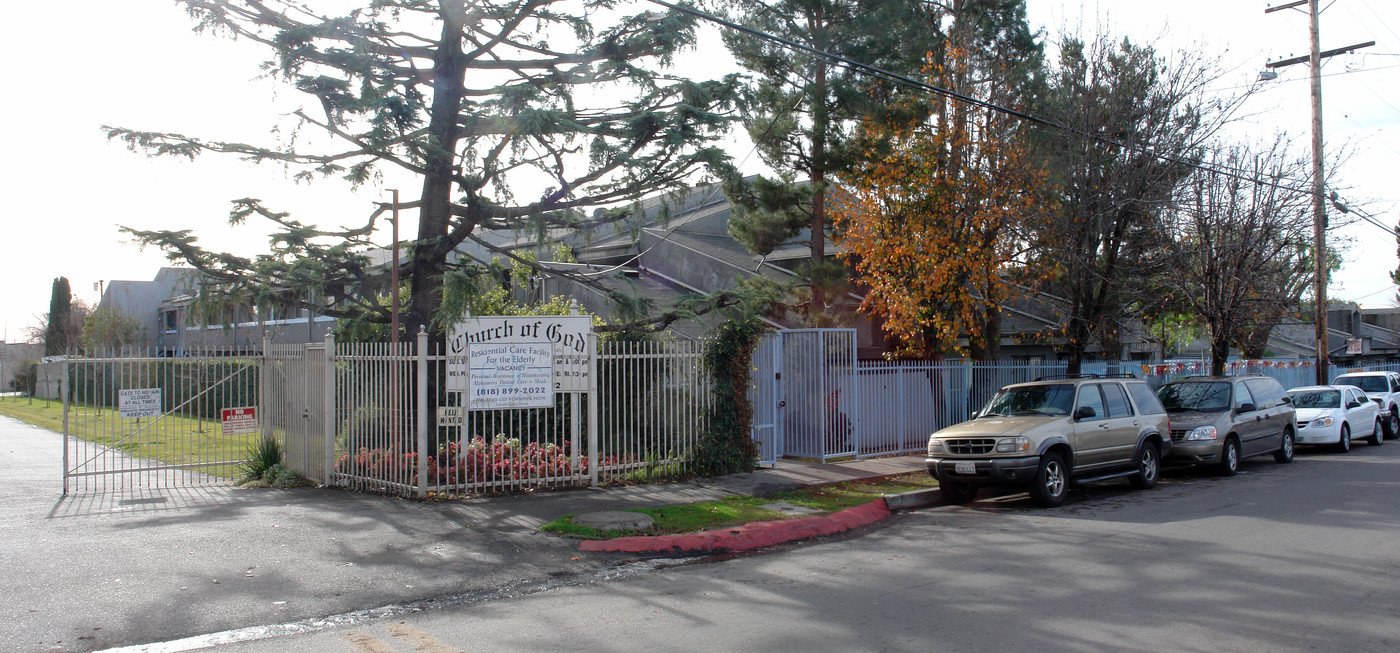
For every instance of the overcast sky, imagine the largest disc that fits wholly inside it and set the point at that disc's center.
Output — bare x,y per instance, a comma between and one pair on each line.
81,64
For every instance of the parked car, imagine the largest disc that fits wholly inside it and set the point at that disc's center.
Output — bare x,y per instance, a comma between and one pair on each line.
1050,433
1382,388
1334,414
1217,421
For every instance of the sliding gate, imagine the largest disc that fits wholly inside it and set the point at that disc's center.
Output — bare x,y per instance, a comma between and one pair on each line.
146,422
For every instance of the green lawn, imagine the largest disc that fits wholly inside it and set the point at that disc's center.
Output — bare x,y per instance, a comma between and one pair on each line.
732,511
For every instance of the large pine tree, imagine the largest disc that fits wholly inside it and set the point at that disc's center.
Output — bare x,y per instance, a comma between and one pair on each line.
515,114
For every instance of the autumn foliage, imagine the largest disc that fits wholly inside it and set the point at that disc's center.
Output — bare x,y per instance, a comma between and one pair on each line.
927,222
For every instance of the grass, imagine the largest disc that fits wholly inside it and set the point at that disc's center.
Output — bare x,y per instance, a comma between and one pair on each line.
171,439
732,511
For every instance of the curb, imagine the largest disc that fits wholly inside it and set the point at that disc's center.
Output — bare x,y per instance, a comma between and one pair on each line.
750,536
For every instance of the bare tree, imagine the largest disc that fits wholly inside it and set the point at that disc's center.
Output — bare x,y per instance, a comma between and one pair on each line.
1239,240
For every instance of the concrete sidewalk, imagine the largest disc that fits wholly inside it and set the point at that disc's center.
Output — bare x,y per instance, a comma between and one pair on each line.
90,572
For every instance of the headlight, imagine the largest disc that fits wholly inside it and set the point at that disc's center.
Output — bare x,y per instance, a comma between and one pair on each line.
1014,445
934,446
1203,433
1321,422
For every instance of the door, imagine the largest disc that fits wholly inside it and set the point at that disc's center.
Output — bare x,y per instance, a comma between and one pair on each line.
1093,434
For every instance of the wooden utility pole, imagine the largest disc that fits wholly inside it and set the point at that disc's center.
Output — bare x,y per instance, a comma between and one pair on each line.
1314,60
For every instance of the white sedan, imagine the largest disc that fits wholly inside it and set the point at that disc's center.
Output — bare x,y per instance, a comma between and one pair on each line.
1335,414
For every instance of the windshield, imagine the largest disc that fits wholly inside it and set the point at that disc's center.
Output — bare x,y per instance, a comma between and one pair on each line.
1031,400
1367,383
1316,398
1203,397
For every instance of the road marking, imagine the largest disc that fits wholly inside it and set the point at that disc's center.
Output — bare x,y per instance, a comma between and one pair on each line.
367,643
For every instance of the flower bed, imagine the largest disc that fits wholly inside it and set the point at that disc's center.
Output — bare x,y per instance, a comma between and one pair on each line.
502,459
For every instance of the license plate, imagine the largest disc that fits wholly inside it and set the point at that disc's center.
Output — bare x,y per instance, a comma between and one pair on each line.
965,468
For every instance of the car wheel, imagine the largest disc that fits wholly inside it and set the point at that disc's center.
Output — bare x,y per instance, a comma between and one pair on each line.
1285,449
957,493
1149,467
1377,435
1392,424
1344,442
1229,458
1051,484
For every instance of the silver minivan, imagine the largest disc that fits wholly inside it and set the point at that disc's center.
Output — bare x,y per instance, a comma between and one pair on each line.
1217,421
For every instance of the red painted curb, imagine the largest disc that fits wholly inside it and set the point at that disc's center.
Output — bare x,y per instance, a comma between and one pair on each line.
750,536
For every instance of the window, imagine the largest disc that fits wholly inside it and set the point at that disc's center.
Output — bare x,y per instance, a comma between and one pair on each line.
1242,396
1267,392
1116,400
1147,403
1089,396
168,321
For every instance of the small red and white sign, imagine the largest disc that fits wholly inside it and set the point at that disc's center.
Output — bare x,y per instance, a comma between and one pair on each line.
1353,346
239,421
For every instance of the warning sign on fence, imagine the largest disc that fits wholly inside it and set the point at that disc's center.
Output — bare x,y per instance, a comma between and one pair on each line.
239,421
138,402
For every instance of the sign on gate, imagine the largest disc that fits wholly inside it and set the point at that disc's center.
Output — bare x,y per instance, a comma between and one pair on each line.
510,376
565,335
138,402
239,421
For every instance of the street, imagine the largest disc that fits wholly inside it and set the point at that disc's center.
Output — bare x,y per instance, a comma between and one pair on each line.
1280,557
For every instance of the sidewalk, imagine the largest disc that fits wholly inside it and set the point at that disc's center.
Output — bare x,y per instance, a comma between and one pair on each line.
91,572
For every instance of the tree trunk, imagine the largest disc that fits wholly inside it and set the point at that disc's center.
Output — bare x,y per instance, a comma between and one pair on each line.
435,215
1219,349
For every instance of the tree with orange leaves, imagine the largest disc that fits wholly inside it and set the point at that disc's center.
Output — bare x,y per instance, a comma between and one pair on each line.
928,225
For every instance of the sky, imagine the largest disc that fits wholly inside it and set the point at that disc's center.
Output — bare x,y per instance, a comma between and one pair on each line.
82,64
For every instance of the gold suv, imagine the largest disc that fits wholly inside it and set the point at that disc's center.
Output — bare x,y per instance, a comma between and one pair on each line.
1051,433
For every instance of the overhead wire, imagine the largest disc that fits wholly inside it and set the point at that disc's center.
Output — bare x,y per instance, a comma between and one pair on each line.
906,81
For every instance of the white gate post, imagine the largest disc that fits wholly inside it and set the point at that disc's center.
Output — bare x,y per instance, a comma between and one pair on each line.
328,420
423,417
64,395
592,408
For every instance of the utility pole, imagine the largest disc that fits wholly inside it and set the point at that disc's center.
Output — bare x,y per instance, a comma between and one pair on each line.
1314,61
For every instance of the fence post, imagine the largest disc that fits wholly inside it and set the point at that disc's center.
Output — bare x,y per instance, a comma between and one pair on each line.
65,423
328,420
592,408
421,430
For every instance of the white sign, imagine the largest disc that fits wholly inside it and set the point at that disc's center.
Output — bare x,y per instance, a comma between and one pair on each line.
568,334
1353,346
238,421
509,375
451,416
138,402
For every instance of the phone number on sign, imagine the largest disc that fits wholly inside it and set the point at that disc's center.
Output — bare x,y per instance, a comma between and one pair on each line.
507,392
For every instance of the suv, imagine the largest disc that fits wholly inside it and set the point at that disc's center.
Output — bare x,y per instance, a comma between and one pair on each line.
1217,421
1382,388
1050,433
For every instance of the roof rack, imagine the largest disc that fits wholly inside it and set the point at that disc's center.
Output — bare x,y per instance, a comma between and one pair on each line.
1088,375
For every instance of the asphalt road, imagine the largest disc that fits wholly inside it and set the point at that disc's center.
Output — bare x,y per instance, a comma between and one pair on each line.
1278,558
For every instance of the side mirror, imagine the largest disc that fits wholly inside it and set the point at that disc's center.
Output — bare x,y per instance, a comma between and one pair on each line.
1353,404
1287,399
1084,412
1247,407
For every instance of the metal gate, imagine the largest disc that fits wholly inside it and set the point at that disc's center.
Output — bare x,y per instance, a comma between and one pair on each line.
146,422
294,405
815,412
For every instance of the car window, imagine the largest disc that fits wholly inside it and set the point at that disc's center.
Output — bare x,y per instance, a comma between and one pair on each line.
1115,400
1203,396
1356,396
1394,383
1147,403
1315,398
1367,383
1090,396
1264,392
1242,396
1028,400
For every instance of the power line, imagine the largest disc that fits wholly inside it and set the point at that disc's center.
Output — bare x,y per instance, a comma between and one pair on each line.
925,86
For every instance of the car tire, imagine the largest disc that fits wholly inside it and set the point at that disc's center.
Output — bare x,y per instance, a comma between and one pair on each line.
1392,424
1051,483
1378,435
1284,455
1149,467
955,493
1229,457
1344,441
